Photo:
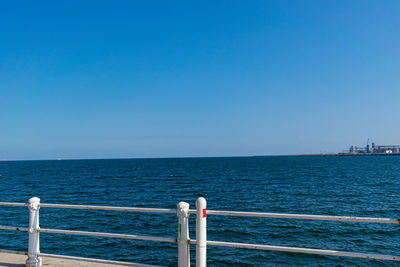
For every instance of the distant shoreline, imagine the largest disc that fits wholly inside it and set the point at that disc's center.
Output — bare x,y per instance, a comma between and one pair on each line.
347,155
205,157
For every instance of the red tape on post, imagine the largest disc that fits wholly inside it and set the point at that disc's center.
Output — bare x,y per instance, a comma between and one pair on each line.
204,213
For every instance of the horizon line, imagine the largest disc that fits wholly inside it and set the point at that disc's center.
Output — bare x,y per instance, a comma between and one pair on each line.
172,157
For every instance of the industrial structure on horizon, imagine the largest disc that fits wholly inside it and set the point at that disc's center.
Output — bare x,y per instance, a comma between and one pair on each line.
372,150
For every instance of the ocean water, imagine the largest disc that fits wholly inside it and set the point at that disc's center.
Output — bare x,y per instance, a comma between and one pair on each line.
353,186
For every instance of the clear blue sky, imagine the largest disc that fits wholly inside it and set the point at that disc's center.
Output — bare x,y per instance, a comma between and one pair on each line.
102,79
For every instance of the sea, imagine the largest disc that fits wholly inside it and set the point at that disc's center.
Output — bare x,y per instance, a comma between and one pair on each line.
348,186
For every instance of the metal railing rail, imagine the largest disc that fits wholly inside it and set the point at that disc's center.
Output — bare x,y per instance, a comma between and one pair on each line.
123,236
91,207
14,228
13,204
305,250
183,241
304,216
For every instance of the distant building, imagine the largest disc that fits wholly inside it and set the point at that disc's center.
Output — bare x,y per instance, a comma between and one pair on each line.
386,149
372,150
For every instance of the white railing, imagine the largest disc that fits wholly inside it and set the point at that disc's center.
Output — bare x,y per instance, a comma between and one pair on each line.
183,241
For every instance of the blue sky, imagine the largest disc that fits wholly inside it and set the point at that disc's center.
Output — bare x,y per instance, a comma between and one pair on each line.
105,79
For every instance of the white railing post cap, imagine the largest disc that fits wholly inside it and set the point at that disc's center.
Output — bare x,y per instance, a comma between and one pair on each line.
34,203
183,209
201,201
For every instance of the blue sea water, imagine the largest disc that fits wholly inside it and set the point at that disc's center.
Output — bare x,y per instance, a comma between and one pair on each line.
354,186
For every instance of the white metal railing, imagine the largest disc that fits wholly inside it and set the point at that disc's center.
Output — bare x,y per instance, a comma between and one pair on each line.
183,241
34,259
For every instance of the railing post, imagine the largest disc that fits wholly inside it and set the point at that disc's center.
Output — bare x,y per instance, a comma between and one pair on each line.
183,234
201,232
33,251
